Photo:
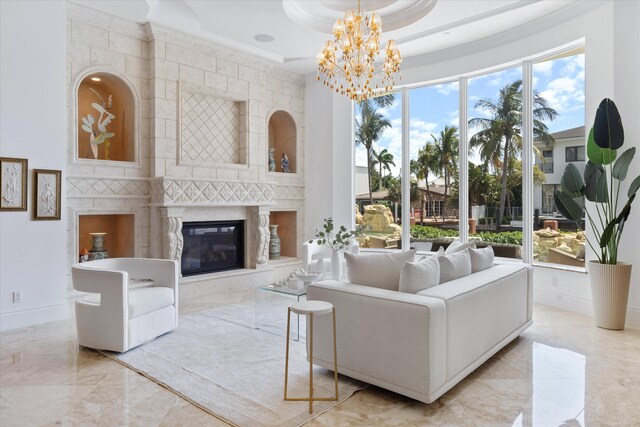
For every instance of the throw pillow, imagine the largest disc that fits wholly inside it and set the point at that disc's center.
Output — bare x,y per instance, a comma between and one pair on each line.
380,270
458,246
418,276
481,259
454,266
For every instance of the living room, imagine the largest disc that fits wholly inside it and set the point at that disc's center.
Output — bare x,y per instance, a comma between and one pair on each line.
213,116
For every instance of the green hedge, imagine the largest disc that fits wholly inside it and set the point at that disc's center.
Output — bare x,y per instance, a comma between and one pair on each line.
428,232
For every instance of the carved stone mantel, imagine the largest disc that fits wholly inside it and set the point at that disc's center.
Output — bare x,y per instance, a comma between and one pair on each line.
167,191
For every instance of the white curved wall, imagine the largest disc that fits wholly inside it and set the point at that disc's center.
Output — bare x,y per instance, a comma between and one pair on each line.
612,39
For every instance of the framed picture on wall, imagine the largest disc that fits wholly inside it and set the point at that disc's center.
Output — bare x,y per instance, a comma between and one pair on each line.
13,184
47,186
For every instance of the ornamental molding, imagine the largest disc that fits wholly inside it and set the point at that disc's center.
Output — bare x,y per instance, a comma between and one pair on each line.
289,192
187,192
107,187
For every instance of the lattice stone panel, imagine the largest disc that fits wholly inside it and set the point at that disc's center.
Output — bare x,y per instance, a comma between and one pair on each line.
213,128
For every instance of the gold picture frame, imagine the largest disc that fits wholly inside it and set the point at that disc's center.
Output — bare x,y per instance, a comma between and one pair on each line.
47,185
13,184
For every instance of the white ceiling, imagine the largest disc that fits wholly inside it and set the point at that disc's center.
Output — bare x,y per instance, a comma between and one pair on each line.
448,23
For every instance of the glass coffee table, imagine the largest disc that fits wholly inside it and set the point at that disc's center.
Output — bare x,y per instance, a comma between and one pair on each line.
271,304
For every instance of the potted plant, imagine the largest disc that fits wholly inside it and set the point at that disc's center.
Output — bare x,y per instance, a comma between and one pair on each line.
337,240
600,184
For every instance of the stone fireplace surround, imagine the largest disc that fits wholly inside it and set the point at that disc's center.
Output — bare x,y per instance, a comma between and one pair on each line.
181,201
161,189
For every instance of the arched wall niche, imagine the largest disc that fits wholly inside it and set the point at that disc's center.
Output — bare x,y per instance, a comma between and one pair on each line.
106,118
283,137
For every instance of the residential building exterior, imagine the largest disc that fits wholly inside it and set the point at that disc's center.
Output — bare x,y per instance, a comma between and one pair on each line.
569,147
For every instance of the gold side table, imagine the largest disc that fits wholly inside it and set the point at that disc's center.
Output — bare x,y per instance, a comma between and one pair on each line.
311,308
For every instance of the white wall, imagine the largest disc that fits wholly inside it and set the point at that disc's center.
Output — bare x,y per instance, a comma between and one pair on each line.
33,126
612,45
329,158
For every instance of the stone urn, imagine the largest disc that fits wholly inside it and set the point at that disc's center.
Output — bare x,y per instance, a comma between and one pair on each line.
274,242
610,293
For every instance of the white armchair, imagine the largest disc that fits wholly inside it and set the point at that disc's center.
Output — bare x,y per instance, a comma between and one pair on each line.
117,316
317,258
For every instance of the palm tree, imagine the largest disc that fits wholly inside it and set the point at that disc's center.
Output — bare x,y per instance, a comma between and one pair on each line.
446,149
370,128
426,163
383,159
500,137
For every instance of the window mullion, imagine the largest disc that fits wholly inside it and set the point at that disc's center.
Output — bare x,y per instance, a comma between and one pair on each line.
527,161
406,173
463,162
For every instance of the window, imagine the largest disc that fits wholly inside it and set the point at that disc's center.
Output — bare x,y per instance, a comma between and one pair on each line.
433,161
495,160
560,81
378,157
574,154
499,206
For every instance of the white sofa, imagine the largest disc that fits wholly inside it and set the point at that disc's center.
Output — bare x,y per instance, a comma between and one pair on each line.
120,314
421,345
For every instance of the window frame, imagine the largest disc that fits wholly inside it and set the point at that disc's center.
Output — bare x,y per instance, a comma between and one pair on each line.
528,160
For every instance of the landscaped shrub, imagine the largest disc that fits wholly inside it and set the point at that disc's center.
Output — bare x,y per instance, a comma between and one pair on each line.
505,237
428,232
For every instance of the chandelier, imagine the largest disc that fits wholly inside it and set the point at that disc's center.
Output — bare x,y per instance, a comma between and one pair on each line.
360,70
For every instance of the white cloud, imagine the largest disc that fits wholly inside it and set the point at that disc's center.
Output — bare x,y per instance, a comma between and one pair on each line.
563,93
447,88
544,68
386,111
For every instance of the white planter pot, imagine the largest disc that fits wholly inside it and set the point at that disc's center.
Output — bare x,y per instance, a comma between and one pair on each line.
610,293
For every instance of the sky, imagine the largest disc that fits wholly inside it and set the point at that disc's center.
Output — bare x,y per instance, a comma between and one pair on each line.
560,82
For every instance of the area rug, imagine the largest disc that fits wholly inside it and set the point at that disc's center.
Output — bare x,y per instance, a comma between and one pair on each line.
234,371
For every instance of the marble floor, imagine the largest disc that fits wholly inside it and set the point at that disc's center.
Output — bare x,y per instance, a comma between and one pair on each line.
563,371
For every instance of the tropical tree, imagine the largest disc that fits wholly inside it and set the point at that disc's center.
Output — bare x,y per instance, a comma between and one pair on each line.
426,163
370,126
446,150
499,139
383,159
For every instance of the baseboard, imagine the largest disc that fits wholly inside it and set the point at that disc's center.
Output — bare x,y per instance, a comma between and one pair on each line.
33,316
579,305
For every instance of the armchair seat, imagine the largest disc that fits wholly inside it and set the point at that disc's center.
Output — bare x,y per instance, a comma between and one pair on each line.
120,314
141,300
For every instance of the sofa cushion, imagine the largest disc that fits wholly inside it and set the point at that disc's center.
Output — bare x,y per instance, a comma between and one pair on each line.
454,266
458,246
380,270
421,275
481,259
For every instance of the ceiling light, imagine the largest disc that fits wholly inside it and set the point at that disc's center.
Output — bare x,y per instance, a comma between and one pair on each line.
263,38
360,70
96,79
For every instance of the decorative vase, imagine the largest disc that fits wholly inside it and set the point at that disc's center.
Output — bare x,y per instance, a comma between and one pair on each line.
274,242
97,247
610,293
336,266
272,159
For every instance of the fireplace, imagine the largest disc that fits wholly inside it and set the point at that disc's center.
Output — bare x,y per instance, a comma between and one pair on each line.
212,246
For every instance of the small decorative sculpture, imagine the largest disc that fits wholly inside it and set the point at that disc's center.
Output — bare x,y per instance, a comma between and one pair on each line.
272,159
105,118
284,163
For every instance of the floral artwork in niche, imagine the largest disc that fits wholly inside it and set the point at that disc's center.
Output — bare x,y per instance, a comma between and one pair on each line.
102,136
